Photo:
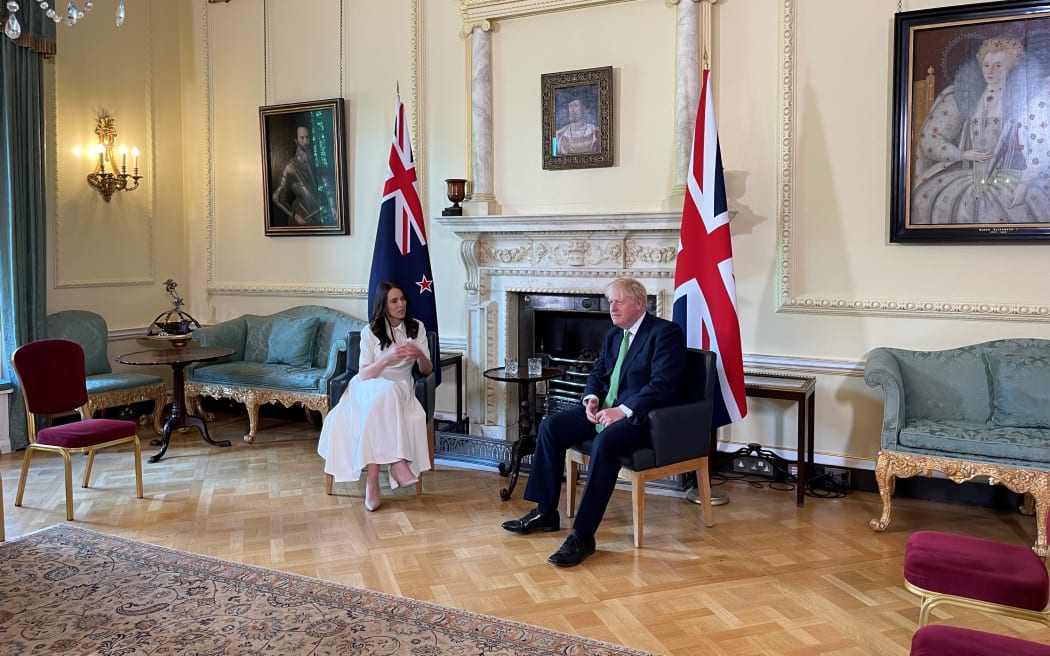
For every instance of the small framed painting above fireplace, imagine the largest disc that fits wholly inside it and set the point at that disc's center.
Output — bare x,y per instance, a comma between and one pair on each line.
577,114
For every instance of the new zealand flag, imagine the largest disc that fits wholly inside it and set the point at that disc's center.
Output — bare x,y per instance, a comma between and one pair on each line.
401,251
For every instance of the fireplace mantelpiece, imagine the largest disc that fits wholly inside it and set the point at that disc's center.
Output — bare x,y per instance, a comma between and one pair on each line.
564,253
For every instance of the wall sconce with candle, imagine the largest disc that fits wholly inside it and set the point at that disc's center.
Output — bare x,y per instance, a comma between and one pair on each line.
108,182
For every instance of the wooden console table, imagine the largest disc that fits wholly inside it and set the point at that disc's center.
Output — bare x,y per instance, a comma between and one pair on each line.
800,389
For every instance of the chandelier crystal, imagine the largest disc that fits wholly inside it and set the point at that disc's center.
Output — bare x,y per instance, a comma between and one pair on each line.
72,15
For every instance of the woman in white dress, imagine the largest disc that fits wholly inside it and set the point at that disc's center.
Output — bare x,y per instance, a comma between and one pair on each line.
378,420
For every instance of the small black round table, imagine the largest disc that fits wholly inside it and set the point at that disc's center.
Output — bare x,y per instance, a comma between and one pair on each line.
525,445
177,359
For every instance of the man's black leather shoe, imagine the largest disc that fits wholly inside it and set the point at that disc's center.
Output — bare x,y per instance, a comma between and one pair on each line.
534,521
573,551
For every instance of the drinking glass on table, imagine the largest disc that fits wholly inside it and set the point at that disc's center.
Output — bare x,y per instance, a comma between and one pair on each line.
535,367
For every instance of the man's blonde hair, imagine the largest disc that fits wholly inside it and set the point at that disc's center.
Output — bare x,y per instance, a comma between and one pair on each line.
630,287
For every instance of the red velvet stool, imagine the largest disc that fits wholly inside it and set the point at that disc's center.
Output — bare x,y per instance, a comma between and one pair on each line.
942,640
944,568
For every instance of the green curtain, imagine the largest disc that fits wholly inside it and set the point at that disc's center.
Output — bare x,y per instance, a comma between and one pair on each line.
23,216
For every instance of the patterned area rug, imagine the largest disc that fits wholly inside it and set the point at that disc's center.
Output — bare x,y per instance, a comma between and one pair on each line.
66,590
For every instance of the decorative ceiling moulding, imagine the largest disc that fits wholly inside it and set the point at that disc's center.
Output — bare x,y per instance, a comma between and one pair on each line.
149,278
988,310
417,46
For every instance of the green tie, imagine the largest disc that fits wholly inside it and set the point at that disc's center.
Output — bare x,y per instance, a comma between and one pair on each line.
614,380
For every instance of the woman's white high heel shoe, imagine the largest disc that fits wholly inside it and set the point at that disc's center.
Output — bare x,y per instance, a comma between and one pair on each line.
402,467
372,503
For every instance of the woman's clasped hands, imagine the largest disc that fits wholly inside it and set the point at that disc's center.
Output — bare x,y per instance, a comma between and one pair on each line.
404,351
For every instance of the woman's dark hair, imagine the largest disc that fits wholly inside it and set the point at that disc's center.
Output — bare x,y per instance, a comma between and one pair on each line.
378,323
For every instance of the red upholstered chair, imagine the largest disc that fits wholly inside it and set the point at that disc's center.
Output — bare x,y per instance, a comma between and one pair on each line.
51,372
941,640
957,570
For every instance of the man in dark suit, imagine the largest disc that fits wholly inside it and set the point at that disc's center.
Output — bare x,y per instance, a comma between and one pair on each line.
640,368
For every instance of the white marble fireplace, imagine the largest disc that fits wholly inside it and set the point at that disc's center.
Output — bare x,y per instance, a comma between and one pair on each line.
565,254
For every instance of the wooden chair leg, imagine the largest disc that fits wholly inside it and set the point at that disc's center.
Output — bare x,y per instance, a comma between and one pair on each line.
572,473
328,481
138,469
638,506
430,450
25,474
703,488
87,468
69,484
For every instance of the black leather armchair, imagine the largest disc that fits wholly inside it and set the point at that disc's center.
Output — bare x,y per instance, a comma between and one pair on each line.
680,441
426,387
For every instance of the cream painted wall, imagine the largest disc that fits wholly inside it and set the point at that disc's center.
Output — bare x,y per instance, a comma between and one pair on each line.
804,257
114,257
637,39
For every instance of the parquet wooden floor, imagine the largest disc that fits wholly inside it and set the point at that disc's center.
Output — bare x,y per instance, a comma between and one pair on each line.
768,578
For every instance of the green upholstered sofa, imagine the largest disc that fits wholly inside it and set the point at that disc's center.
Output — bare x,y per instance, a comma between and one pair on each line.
289,357
978,410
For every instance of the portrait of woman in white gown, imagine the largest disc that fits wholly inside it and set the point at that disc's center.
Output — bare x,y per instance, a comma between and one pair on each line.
378,420
970,159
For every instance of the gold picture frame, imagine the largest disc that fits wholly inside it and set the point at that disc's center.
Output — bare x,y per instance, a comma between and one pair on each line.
971,107
304,169
577,111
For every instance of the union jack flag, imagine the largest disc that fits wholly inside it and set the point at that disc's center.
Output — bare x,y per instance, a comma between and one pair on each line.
401,253
705,288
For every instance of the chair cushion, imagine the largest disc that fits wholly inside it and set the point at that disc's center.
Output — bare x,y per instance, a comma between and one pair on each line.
1020,390
85,433
292,340
640,459
973,568
1023,447
257,337
940,639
